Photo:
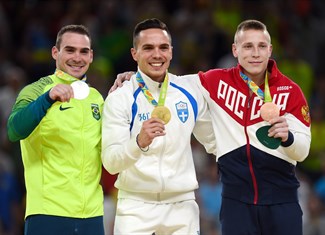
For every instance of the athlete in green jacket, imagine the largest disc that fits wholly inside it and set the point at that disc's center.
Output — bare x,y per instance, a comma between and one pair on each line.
60,136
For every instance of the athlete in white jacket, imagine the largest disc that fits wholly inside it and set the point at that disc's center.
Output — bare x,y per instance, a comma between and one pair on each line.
153,158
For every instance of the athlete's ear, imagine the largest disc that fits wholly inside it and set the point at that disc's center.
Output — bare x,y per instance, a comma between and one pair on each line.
55,52
270,50
91,56
234,50
134,53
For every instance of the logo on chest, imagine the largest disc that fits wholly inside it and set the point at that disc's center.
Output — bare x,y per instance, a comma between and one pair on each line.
95,111
64,108
182,111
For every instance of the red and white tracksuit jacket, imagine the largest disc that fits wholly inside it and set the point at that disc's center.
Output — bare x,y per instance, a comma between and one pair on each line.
251,172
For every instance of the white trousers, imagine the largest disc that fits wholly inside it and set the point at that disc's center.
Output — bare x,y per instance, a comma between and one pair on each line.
141,218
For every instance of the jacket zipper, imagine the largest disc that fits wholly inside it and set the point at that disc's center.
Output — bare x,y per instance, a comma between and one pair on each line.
248,152
160,166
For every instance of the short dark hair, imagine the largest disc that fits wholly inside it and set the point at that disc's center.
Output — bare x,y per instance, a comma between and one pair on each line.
80,29
149,24
251,24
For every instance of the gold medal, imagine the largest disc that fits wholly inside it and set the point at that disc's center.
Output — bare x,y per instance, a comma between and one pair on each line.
269,110
162,113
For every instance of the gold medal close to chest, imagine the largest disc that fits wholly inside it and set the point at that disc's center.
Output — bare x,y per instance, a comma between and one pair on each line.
162,113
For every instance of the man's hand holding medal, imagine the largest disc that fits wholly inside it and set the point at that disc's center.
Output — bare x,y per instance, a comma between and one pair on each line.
271,135
160,115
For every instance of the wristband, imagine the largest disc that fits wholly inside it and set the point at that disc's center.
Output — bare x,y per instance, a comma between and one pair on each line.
142,149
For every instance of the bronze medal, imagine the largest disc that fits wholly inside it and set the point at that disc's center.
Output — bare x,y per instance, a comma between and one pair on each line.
162,113
269,110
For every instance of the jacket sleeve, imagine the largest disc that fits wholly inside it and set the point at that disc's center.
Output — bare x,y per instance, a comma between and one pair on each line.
203,129
298,144
119,150
203,132
298,118
27,113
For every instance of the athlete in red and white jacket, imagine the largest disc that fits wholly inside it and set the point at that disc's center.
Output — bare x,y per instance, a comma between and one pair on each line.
251,172
245,163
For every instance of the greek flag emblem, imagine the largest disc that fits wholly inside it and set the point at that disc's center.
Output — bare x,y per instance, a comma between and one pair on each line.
182,111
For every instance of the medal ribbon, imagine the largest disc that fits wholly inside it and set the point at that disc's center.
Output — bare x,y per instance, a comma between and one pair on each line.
266,95
67,77
148,95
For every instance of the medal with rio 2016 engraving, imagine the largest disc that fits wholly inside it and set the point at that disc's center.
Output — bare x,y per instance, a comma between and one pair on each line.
162,113
80,90
269,110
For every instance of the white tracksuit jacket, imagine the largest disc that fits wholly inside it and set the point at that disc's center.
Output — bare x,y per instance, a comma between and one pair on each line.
166,171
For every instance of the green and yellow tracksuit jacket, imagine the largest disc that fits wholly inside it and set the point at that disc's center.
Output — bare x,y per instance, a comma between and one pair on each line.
60,144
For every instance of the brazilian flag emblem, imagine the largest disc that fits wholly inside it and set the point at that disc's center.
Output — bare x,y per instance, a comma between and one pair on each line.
95,111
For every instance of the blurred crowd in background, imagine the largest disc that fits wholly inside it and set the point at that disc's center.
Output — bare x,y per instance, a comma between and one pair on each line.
202,33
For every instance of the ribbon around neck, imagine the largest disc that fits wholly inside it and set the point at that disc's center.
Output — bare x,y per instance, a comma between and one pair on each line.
266,95
147,93
63,75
